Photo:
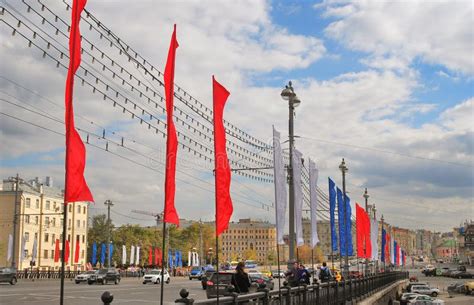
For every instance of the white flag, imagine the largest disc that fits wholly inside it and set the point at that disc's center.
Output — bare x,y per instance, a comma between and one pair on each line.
313,198
10,247
392,250
132,255
197,259
296,165
35,250
137,257
279,179
124,254
189,259
374,233
23,244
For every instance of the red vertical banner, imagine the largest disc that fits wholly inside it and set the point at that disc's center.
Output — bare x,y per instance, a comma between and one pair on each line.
157,254
387,249
66,254
150,257
76,252
56,251
360,231
170,213
224,206
368,240
76,188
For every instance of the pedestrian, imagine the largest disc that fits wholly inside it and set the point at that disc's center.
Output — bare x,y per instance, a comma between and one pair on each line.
241,280
325,274
303,275
292,275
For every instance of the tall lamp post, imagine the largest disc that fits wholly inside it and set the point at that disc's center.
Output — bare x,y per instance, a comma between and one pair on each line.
344,169
366,197
108,203
288,94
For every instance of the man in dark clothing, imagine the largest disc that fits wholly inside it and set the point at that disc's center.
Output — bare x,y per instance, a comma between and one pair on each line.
325,274
292,275
303,275
241,279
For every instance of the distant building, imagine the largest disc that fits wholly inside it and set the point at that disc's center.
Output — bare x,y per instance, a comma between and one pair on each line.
447,250
39,216
248,235
465,244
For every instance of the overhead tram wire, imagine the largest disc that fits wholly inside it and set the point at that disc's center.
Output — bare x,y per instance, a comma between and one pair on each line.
134,115
100,137
180,111
123,157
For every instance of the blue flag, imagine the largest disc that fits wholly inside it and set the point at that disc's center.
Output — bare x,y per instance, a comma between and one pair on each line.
102,254
170,259
350,250
111,251
94,254
340,217
332,209
384,233
180,259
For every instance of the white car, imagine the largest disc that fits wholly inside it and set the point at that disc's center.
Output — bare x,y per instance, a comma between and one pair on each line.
84,277
425,300
154,276
425,290
253,271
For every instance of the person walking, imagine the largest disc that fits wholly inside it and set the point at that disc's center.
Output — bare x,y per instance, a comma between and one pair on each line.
303,275
325,273
241,280
292,275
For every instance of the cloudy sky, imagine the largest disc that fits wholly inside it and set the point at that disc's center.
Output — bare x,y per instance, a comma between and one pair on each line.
386,85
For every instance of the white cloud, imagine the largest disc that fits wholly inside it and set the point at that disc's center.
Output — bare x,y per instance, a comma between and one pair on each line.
437,32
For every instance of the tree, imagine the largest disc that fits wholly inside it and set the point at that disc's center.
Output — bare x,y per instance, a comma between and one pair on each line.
250,254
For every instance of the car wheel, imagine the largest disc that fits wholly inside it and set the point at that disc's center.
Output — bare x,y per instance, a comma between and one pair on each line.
13,281
158,281
104,282
459,277
434,294
77,282
190,279
167,281
90,282
144,283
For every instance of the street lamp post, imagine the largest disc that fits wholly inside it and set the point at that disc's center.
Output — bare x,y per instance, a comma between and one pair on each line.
288,94
383,258
209,254
108,203
344,169
366,197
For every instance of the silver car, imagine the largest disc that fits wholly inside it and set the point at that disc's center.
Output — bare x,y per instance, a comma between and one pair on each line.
84,277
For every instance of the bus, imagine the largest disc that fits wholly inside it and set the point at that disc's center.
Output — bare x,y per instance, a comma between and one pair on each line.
250,264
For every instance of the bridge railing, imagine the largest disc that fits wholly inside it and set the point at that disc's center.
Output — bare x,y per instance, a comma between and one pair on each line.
331,293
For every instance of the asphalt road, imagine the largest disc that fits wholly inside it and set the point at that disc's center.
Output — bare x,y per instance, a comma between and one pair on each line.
129,291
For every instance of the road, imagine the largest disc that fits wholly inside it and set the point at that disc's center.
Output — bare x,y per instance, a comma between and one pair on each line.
129,291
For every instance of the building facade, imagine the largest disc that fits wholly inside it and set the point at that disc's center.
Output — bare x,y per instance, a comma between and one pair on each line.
248,236
39,216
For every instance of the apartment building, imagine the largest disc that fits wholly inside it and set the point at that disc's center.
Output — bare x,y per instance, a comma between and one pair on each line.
39,216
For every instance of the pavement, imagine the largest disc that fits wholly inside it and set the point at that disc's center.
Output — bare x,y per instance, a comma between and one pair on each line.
129,291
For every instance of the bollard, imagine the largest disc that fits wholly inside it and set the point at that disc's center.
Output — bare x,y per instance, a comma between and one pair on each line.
184,293
107,298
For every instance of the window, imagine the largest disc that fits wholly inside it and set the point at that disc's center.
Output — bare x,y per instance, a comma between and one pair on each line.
27,218
45,254
53,238
48,205
78,223
36,220
84,210
53,222
26,252
46,221
36,235
83,223
52,253
28,203
78,209
83,238
37,204
70,209
46,237
27,236
54,205
82,254
69,222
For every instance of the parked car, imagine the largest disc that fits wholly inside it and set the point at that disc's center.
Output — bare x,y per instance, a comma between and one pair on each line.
410,285
462,275
207,275
456,287
225,285
8,275
406,297
425,290
154,276
84,277
425,300
105,276
275,274
255,271
261,279
196,273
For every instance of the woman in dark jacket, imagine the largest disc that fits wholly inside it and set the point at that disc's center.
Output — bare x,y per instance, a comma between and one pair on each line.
241,279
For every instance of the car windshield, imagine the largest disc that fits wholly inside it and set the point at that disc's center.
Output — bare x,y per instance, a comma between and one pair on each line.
5,270
154,272
196,269
103,271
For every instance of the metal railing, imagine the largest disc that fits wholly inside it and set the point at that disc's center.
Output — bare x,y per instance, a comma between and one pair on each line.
332,293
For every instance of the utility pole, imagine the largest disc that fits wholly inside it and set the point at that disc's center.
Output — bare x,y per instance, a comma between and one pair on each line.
108,203
15,220
200,243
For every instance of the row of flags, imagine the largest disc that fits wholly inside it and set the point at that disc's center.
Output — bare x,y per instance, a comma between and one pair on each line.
281,194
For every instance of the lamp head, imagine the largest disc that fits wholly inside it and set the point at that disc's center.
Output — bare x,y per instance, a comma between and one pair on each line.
287,93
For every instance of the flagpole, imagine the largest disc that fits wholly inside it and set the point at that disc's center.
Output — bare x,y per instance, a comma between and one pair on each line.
279,272
63,254
163,262
312,262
